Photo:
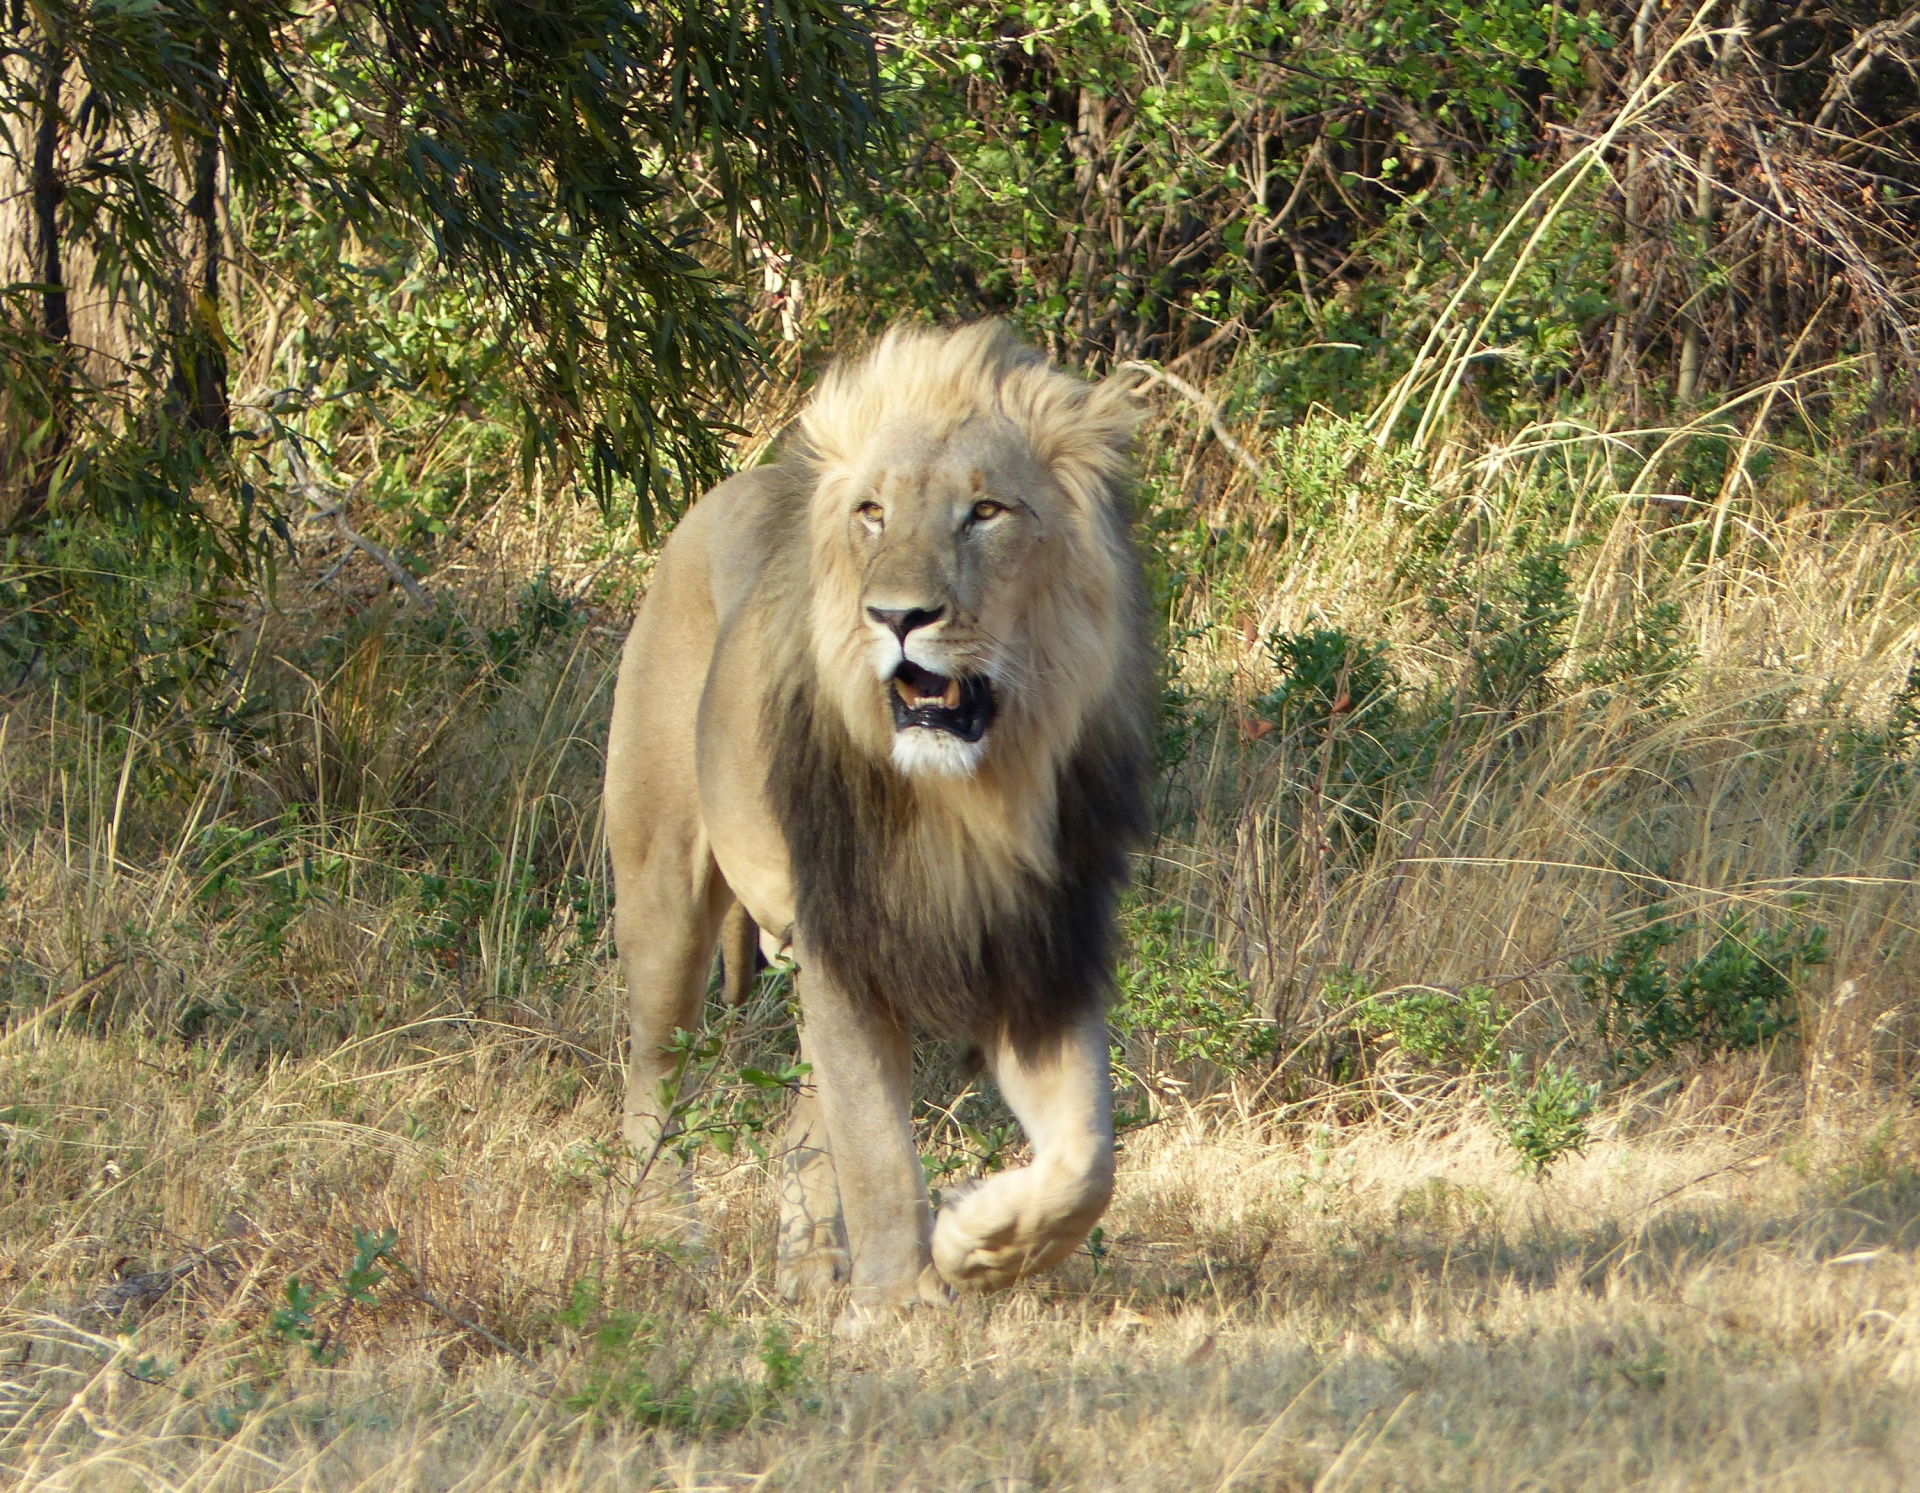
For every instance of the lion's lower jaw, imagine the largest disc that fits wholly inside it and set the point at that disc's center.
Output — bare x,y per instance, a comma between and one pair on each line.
920,753
1016,1223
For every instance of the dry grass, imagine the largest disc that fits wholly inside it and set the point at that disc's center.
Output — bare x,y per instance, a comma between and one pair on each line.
345,971
1720,1294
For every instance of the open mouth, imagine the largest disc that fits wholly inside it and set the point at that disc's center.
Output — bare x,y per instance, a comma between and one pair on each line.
934,702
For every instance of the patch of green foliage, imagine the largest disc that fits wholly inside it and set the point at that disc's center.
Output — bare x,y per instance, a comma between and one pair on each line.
1339,714
1178,139
709,1107
1645,663
1882,758
457,912
258,879
1740,993
975,1135
1444,1030
1180,1001
1327,678
636,1369
1509,620
130,614
1543,1116
311,1317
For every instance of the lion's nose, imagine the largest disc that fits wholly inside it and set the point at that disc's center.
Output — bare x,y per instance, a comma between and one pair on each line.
904,620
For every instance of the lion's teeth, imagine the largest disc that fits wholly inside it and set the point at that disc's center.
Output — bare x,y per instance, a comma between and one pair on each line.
922,689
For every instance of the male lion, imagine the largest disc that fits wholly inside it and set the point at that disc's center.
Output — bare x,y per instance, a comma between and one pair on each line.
889,692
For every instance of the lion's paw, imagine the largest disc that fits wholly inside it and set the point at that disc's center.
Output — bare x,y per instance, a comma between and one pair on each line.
971,1262
813,1274
874,1308
979,1249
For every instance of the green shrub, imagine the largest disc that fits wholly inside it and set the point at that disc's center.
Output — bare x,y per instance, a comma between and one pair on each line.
633,1369
1645,662
1511,624
312,1316
1328,678
710,1108
1737,995
1179,1000
1338,703
1543,1117
1177,138
1438,1029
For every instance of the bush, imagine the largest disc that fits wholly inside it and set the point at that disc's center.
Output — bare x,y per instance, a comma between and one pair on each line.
1512,625
1182,1003
635,1368
1543,1117
1738,995
1645,662
1438,1029
1327,677
1339,701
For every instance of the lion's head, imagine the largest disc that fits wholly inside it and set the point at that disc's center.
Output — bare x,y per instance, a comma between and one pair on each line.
969,550
958,703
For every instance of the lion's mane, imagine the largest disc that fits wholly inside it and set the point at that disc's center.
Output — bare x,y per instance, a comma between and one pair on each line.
963,905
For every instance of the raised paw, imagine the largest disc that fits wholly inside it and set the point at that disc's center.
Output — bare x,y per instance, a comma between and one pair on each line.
1016,1223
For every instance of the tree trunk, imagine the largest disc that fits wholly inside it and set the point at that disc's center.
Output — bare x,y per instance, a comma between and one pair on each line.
199,386
110,351
35,411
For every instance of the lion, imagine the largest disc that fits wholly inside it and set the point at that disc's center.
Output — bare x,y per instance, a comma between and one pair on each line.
889,694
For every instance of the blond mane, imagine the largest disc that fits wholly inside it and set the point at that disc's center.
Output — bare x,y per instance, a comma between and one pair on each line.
936,381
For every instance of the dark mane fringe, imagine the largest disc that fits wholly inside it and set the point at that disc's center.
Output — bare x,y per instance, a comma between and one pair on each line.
884,934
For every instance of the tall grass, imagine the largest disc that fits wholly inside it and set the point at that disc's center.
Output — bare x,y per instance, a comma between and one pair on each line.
1708,728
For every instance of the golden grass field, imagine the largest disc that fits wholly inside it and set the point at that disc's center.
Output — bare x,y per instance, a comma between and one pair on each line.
1721,1294
269,997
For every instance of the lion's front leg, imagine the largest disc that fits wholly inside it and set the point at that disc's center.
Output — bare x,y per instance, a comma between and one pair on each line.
862,1071
1028,1219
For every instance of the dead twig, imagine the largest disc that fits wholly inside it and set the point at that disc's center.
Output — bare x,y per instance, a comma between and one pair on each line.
329,504
427,1299
134,1293
1154,373
64,1004
1851,66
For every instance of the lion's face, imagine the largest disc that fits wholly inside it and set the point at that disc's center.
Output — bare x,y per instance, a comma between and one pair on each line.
945,539
966,557
968,553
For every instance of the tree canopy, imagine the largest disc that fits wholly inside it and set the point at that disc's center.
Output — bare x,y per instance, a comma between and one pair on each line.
544,171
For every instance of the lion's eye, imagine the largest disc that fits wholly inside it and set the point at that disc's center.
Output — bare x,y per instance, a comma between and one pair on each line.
986,508
873,513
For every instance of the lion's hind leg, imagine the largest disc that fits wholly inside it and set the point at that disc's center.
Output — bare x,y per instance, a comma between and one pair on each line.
813,1255
1028,1219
